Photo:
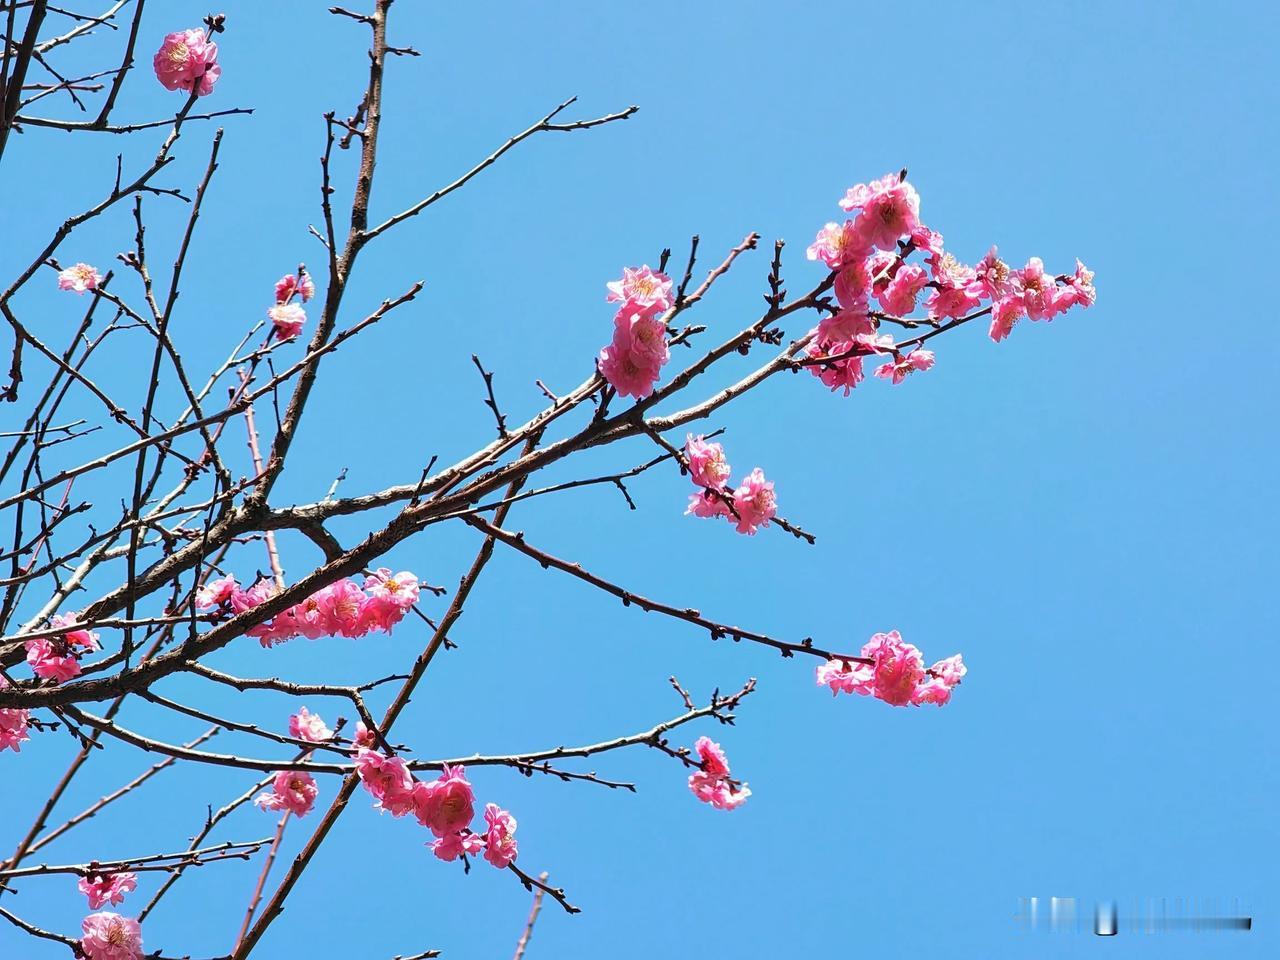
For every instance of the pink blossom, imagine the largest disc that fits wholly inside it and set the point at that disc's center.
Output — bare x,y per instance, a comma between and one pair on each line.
950,671
645,289
390,596
644,335
755,502
706,505
500,839
57,658
846,676
453,845
895,675
1040,294
718,791
707,466
898,667
890,208
957,290
711,783
927,241
305,725
931,691
388,780
288,319
291,284
837,245
107,888
364,738
13,725
1004,314
627,373
215,593
852,284
711,757
342,608
993,277
185,59
846,325
261,591
897,370
1080,287
846,371
898,296
79,278
291,790
445,805
109,936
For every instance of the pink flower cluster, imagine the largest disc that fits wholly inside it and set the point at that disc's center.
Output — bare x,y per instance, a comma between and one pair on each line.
446,806
13,726
109,936
58,658
286,316
711,784
634,358
79,278
107,888
751,505
185,59
868,254
341,609
291,790
305,725
896,675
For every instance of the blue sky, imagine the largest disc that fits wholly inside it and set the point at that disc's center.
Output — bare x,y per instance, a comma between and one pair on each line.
1081,510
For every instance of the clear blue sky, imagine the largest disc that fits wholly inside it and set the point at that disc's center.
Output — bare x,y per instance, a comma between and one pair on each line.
1082,510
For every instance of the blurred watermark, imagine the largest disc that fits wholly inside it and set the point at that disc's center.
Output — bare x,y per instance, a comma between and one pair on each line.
1150,915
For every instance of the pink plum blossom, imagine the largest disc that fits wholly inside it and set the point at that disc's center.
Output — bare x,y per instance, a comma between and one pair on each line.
445,805
104,889
388,780
642,288
707,504
837,245
993,276
109,936
890,209
454,845
287,319
342,606
291,790
707,466
848,324
956,289
1080,287
711,757
1004,314
852,285
291,284
500,837
755,502
305,725
627,373
711,783
57,658
364,738
79,278
13,725
215,593
186,58
898,296
896,673
1040,295
897,370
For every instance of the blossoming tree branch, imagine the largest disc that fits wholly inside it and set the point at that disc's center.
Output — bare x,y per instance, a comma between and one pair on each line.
108,602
